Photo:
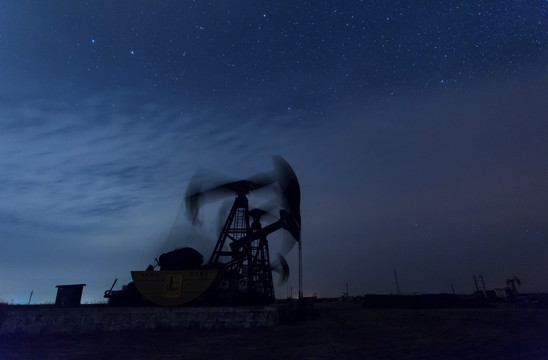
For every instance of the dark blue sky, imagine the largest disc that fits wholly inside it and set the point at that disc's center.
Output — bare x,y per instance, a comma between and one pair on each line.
417,130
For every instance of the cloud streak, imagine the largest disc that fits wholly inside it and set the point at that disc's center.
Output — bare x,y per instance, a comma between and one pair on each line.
108,172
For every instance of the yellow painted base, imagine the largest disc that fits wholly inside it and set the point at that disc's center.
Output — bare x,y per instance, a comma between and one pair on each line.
173,288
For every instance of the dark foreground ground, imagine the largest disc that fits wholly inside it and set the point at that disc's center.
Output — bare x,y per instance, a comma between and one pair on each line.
341,331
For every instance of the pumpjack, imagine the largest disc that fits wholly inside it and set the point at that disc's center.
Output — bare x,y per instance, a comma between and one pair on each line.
239,270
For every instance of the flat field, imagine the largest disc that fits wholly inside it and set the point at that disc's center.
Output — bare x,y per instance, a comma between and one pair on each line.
340,331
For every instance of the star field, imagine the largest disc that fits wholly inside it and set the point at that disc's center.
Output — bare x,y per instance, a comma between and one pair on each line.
315,51
416,128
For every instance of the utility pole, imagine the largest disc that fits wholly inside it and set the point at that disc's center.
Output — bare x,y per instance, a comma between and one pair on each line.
300,269
479,288
483,282
398,292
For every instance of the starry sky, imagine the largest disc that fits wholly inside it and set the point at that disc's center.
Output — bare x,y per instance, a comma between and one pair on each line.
417,130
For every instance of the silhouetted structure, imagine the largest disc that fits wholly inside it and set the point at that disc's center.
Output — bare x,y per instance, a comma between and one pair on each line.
239,270
69,295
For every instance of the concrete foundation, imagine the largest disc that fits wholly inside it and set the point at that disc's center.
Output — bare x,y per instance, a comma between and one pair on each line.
50,320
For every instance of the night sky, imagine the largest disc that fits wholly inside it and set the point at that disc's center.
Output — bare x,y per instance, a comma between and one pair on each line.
418,130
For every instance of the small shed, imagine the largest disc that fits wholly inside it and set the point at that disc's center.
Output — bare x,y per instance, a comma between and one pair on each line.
69,295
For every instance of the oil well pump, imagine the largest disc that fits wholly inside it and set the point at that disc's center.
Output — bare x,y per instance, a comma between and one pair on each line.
239,270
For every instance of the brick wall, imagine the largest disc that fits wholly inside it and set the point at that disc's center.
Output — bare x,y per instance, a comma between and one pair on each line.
50,320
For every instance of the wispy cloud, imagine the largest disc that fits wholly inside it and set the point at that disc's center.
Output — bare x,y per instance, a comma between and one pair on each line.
101,170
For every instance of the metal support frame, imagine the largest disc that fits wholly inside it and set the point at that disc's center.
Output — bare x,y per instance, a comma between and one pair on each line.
249,260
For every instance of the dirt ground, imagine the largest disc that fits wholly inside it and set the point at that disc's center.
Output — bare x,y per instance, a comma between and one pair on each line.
340,331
